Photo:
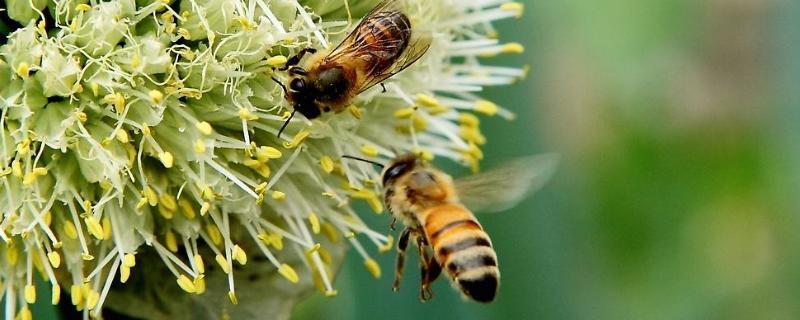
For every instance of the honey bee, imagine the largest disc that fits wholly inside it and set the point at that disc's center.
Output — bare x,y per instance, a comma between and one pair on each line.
383,44
437,213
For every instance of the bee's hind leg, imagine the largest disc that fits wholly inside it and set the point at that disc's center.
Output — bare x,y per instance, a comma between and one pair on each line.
402,245
429,270
294,60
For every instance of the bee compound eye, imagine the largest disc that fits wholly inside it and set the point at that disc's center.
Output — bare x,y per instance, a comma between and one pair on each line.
297,84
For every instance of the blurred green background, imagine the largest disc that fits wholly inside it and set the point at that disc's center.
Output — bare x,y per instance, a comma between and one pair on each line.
678,123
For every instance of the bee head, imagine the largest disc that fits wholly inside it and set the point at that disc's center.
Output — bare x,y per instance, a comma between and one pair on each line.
304,96
398,167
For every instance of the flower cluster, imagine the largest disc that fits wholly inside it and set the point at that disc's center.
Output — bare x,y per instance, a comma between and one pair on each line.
134,125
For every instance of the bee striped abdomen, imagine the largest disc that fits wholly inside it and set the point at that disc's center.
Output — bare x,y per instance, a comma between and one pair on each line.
464,250
386,35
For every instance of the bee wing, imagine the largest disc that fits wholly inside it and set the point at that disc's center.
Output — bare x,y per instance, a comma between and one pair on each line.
502,187
348,50
416,48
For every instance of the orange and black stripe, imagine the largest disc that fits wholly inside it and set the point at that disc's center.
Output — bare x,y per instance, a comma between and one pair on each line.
463,249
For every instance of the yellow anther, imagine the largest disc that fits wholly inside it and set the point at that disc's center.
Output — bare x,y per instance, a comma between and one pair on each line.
186,284
473,135
117,100
427,101
276,240
82,117
388,245
167,214
514,48
168,201
55,259
265,153
373,267
369,150
204,208
122,136
142,202
95,88
198,263
156,96
184,33
424,154
327,164
171,241
223,263
486,107
232,297
419,123
16,168
331,293
277,61
92,297
204,127
517,7
297,140
314,221
29,178
288,272
70,231
152,198
207,193
83,7
468,119
94,227
167,159
278,195
239,255
371,197
25,313
124,273
30,294
87,257
23,70
404,113
56,294
200,285
330,232
355,111
76,294
214,234
186,208
245,114
41,25
129,260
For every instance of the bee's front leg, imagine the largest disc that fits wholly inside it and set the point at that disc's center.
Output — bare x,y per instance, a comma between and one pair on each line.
402,245
294,60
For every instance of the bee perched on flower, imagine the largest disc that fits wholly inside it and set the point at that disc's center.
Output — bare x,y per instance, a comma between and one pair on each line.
138,144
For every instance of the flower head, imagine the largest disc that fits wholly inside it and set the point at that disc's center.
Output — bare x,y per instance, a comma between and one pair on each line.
150,126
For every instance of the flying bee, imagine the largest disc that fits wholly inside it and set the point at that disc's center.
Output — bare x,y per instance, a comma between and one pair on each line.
383,44
437,213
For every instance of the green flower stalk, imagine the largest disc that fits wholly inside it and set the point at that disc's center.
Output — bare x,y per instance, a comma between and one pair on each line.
148,128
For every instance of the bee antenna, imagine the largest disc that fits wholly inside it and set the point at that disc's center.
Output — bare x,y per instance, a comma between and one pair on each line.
285,92
286,123
364,160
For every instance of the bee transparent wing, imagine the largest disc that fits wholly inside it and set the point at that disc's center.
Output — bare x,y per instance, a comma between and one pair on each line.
352,49
502,187
347,47
419,44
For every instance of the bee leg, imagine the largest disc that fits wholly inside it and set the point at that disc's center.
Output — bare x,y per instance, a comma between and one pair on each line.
297,71
434,270
384,87
285,93
294,60
402,245
426,265
393,224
